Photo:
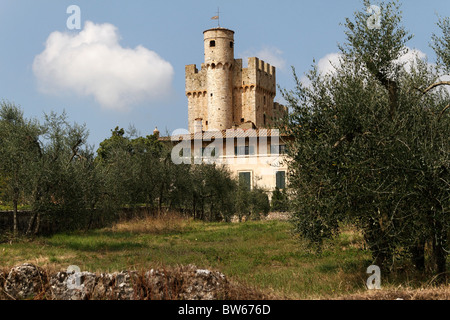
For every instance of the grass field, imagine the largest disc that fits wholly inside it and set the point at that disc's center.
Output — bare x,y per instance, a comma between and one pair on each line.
261,254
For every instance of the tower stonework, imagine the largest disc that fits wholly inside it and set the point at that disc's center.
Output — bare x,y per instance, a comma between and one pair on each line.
223,94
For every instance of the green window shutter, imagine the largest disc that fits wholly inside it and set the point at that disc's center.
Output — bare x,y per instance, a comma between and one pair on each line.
281,179
246,177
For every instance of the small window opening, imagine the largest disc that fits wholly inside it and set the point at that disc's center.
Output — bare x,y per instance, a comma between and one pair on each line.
212,43
231,44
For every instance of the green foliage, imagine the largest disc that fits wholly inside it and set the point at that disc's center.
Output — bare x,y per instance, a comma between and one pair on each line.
49,169
213,192
19,155
371,148
441,44
280,201
3,185
140,171
116,141
378,48
259,204
250,203
67,182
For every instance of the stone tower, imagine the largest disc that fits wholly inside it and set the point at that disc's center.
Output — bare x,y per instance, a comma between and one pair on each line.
219,62
223,94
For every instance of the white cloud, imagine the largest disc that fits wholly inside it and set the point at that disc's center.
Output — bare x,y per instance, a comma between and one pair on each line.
271,55
329,63
93,63
326,65
409,59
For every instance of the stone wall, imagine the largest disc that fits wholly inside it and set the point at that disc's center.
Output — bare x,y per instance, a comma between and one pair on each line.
28,281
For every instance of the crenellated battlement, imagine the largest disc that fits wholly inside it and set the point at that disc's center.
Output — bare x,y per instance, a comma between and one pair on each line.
258,64
195,80
261,74
191,69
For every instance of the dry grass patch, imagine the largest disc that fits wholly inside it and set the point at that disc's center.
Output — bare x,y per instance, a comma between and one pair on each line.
426,293
168,223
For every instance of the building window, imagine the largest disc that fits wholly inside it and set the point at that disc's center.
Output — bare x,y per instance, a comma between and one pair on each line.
281,179
231,44
244,150
245,178
209,152
278,149
212,43
185,153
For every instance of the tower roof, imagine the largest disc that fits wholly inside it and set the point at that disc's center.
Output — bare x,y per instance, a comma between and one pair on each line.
218,29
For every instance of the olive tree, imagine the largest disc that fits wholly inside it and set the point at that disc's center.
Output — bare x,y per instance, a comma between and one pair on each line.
371,145
19,154
67,183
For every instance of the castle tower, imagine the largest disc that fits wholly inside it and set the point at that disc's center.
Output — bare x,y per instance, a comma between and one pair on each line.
224,94
219,62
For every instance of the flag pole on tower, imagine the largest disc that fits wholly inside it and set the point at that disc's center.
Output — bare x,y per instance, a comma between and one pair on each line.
217,17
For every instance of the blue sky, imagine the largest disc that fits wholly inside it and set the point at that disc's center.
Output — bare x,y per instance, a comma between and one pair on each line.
150,42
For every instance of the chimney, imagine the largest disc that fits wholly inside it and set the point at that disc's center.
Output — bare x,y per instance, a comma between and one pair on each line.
198,126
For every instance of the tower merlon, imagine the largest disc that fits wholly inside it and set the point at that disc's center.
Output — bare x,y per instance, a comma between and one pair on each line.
258,64
191,69
253,63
